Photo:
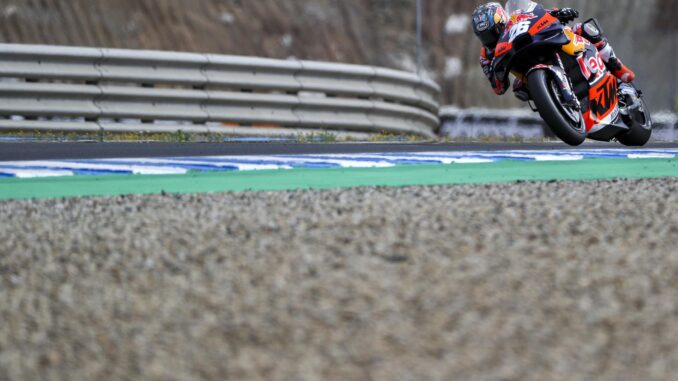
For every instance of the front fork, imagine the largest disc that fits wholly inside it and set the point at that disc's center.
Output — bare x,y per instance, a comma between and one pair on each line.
565,84
563,81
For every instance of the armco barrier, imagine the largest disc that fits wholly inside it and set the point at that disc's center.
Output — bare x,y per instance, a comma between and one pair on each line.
475,123
80,89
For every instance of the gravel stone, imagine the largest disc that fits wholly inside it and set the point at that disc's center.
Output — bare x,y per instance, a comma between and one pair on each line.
530,281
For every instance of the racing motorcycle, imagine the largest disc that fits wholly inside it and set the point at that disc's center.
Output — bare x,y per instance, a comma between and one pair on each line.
568,82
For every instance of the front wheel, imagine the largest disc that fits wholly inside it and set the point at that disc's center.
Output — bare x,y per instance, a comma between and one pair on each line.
564,120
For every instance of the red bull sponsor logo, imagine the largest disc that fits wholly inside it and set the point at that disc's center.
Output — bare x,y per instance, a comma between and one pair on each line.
520,17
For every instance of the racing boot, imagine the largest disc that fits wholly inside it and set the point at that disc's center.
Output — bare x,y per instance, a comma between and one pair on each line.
614,64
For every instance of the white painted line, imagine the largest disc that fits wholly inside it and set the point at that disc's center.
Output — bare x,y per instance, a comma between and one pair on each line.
67,165
31,173
652,156
493,156
471,161
556,157
258,167
197,162
302,160
395,157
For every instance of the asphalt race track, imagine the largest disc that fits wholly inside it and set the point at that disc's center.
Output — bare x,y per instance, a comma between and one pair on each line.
516,280
57,151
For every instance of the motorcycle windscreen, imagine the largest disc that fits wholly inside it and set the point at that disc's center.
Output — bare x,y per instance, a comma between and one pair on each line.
513,6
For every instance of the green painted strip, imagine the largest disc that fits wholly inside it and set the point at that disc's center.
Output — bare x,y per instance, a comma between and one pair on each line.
503,171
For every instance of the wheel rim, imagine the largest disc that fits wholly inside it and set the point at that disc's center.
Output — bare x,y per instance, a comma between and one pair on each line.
571,113
640,116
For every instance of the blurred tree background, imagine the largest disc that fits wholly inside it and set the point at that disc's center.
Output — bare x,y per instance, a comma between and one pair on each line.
378,32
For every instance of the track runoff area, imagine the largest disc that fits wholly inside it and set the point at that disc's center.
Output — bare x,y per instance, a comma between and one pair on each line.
108,170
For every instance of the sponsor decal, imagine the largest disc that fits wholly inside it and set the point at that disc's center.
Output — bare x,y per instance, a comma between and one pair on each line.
481,23
596,64
518,18
604,98
584,67
519,29
545,21
503,48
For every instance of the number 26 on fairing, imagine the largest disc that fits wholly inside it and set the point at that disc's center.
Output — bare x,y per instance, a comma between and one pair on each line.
518,29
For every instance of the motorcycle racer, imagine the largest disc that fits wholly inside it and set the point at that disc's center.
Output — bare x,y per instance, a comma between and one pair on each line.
489,24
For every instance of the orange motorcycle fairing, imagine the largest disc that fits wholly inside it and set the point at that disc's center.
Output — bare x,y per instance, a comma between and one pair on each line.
503,48
603,102
542,24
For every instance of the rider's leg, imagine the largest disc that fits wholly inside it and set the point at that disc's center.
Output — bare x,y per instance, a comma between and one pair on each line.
612,62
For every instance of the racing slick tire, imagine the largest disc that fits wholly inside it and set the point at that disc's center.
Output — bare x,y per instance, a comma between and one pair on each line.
563,121
640,127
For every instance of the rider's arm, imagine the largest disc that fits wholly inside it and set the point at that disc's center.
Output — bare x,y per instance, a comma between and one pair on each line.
486,63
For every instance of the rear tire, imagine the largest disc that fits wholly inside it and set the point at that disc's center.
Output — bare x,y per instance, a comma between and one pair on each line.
552,111
640,125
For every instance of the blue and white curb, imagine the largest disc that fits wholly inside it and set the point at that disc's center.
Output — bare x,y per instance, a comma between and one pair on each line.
183,165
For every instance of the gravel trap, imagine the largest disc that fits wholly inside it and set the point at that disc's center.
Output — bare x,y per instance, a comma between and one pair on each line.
523,281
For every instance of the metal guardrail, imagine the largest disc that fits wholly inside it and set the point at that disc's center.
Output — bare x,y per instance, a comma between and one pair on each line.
91,89
475,123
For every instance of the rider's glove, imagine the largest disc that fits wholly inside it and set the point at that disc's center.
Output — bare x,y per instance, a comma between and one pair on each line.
565,15
499,87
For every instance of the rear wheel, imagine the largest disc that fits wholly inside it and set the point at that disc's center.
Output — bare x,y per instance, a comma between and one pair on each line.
639,122
566,121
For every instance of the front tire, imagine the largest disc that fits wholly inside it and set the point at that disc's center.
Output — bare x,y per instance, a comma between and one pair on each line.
568,128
